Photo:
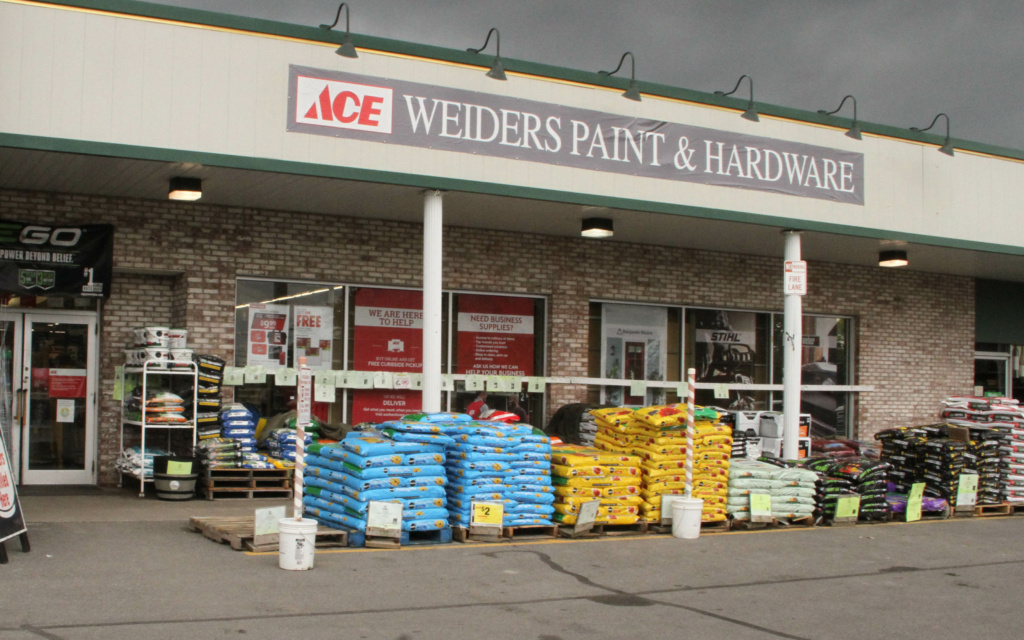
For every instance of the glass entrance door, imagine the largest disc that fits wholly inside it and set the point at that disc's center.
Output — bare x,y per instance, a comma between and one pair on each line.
56,399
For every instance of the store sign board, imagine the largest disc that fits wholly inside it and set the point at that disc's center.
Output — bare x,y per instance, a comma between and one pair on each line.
41,260
313,333
268,335
346,105
914,501
495,335
12,521
967,491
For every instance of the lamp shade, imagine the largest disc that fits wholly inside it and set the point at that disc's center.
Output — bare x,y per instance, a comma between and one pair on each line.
185,189
892,259
597,228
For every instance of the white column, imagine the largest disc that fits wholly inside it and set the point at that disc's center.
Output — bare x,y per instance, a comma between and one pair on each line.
792,347
432,222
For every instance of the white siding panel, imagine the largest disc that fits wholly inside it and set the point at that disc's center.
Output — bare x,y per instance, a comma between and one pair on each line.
97,97
66,75
215,92
127,111
12,65
186,97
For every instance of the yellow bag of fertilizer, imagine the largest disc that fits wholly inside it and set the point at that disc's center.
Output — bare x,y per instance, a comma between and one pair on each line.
709,517
711,451
607,501
564,518
661,416
596,481
573,455
627,428
673,464
614,437
595,470
660,457
654,496
662,440
612,415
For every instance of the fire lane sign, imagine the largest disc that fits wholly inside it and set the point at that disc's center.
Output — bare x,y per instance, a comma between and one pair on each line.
795,278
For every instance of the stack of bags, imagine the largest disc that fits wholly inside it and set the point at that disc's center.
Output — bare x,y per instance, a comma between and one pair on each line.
342,479
739,443
498,462
660,443
866,477
983,456
903,448
942,463
280,442
220,453
134,463
210,374
794,490
238,423
161,407
582,474
1005,418
615,429
588,429
1012,481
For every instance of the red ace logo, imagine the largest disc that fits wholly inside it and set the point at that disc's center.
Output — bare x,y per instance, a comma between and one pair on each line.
343,105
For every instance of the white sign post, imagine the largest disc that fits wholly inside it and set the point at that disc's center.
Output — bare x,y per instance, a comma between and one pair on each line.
302,419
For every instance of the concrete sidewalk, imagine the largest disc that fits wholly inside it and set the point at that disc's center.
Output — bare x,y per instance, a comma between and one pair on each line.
115,566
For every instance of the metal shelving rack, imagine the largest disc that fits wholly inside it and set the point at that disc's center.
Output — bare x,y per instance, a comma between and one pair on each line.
153,368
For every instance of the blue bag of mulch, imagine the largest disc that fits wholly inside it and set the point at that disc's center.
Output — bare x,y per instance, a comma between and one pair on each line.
533,509
479,457
531,465
491,481
458,445
388,472
423,514
532,447
424,438
486,441
410,427
370,446
531,478
437,417
531,488
532,455
527,521
531,497
466,504
470,489
420,493
326,510
507,430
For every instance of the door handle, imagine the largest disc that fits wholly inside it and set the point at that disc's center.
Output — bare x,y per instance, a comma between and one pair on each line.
19,404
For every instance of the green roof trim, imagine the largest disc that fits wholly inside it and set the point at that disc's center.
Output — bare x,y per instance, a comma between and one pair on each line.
315,33
158,154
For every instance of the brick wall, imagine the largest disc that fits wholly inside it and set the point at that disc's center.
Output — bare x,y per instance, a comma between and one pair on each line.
914,331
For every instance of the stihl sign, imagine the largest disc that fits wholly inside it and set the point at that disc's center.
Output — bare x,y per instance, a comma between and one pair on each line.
343,105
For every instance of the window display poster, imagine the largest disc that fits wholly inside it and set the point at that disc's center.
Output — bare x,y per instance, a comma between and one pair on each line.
634,339
495,335
388,336
726,345
313,333
268,335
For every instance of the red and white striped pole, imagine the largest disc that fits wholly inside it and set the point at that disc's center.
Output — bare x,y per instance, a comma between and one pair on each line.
302,417
691,381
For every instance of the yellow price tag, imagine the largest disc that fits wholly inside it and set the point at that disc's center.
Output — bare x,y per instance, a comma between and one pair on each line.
178,468
914,501
488,513
847,507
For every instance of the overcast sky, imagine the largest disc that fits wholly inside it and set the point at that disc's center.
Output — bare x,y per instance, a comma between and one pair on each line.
904,61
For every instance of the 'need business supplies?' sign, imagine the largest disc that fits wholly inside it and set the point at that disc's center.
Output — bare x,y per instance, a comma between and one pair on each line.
47,260
374,109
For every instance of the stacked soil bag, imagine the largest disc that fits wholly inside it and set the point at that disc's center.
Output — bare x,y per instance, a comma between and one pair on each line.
582,474
943,461
661,445
210,375
281,443
867,477
983,456
219,453
1005,418
588,430
342,479
793,490
497,461
132,462
238,423
903,448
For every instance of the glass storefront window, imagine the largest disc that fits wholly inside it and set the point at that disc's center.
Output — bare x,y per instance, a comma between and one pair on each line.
729,347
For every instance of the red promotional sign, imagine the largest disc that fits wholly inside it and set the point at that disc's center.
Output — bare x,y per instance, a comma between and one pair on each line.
388,337
67,383
496,335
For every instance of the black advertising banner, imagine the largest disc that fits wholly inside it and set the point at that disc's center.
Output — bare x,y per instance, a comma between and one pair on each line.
42,260
12,522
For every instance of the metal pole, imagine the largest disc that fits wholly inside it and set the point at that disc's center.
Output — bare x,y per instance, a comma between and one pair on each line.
691,379
792,348
432,298
302,419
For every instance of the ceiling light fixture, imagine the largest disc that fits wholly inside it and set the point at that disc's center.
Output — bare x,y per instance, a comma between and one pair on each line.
751,112
185,189
347,49
892,258
497,70
854,130
632,92
947,146
597,228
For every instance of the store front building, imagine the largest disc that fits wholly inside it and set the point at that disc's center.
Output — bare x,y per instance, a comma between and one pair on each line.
309,236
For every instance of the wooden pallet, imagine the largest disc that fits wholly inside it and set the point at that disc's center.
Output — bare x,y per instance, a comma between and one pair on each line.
705,527
239,532
998,509
507,534
943,514
638,528
1016,508
246,483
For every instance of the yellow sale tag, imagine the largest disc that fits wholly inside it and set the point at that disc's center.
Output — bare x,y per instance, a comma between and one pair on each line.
178,468
914,501
488,513
847,507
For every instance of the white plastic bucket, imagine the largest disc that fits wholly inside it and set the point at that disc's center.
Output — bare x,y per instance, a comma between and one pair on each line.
180,357
686,513
297,543
177,338
155,336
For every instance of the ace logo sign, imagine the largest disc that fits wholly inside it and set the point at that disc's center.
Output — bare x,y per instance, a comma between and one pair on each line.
343,105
